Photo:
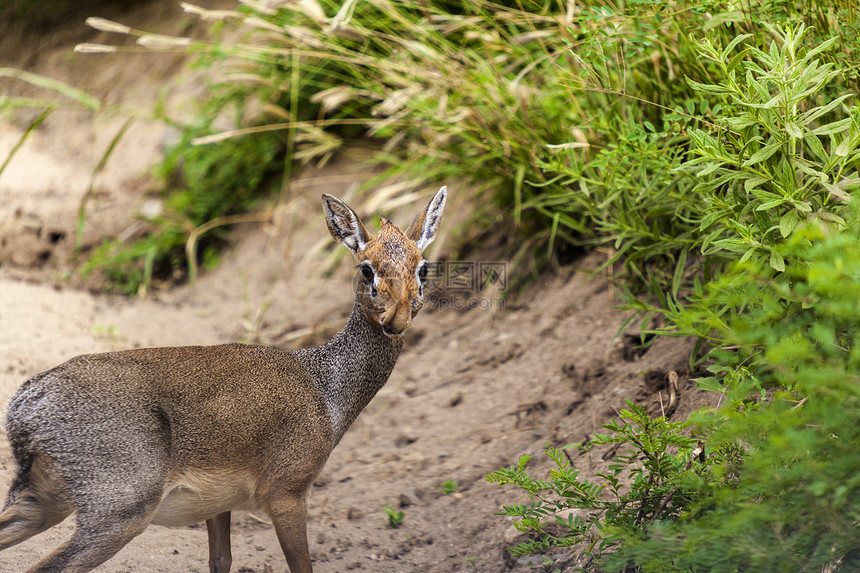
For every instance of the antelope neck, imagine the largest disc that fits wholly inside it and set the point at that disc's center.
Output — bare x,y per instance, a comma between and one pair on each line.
352,367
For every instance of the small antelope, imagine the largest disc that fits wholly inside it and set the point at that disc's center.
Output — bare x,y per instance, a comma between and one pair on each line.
176,436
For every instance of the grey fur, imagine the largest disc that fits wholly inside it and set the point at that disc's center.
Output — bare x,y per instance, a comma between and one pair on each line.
185,434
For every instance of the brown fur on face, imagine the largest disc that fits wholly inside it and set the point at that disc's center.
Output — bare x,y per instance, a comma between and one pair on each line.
395,295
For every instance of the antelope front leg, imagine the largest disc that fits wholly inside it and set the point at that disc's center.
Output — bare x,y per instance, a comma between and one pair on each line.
289,516
220,557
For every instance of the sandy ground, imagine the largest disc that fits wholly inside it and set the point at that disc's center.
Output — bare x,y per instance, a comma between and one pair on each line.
472,392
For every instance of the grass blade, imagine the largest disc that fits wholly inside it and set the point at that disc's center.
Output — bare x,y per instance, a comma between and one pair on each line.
30,129
79,96
82,207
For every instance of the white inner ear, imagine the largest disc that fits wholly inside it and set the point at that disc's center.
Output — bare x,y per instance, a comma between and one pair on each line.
431,220
353,240
351,233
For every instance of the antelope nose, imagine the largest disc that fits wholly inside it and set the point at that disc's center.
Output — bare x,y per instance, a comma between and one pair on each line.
398,320
389,332
397,327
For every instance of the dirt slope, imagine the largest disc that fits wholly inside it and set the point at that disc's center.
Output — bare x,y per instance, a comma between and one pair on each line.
473,390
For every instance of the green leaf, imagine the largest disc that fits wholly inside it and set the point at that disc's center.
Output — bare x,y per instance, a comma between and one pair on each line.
709,168
833,217
837,191
777,263
710,218
817,112
788,222
735,42
835,127
802,206
846,146
748,254
742,121
773,103
793,130
678,276
771,204
814,145
83,98
753,182
733,245
691,107
720,18
806,167
711,383
733,63
706,88
823,46
763,154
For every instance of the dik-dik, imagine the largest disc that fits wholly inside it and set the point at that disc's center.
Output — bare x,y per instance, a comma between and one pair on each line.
176,436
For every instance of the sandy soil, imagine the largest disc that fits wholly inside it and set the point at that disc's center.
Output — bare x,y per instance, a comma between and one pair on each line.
473,390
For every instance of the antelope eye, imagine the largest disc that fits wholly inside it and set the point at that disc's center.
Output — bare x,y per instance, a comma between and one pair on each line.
422,272
367,273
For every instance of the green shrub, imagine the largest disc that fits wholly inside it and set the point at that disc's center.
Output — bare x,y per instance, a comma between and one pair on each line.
782,154
778,158
795,504
773,149
645,483
773,201
776,487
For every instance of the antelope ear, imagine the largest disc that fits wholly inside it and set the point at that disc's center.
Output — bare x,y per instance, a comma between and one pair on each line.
425,225
344,225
